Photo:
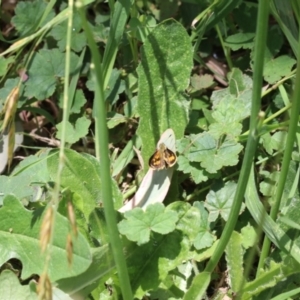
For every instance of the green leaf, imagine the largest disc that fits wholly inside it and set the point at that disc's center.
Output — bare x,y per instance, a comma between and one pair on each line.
78,103
239,90
4,62
126,155
139,224
141,27
11,288
115,86
212,156
150,263
28,179
45,69
81,174
249,236
234,257
6,90
101,268
163,76
114,119
278,140
245,15
28,15
268,186
78,39
198,287
278,236
198,174
274,43
277,68
204,238
220,202
76,132
269,277
21,240
199,83
240,41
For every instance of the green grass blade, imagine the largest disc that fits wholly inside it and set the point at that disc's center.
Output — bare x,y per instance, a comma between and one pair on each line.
262,23
103,156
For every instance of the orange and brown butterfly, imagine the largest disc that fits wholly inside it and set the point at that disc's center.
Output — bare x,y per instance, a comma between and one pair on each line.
162,158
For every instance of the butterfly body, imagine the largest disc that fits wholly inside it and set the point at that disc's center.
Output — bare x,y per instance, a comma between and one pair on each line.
162,158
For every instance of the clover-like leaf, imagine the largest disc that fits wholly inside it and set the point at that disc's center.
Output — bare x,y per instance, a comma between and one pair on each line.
277,68
139,224
74,133
198,174
78,39
28,14
249,236
46,67
204,237
268,186
201,82
220,202
213,156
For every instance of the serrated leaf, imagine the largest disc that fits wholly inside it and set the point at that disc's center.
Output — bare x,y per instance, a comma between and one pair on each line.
278,140
28,15
204,237
74,133
78,39
46,67
189,219
201,82
220,202
239,90
78,103
163,76
234,257
187,167
265,139
139,224
268,186
213,156
151,262
21,240
269,277
277,68
249,236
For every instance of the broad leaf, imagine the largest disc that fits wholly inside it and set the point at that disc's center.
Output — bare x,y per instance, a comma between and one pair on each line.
21,240
139,224
163,74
